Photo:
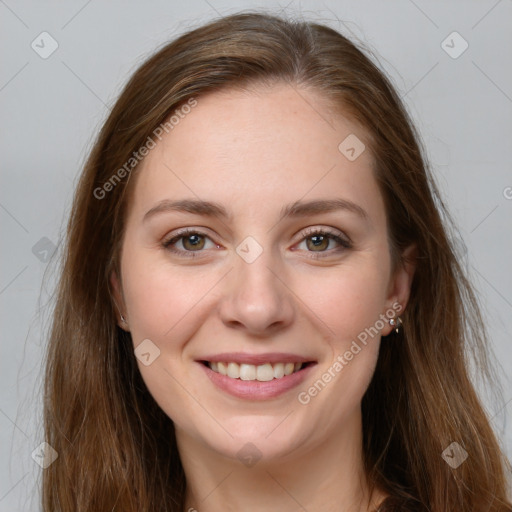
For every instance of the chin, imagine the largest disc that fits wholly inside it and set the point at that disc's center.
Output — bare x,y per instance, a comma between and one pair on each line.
261,439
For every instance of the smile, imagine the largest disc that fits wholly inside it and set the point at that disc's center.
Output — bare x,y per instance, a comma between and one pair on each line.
262,373
256,377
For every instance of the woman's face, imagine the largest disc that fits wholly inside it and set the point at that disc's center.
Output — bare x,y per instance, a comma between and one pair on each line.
286,261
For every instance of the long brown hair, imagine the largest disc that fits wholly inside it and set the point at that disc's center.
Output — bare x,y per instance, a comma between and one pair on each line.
117,449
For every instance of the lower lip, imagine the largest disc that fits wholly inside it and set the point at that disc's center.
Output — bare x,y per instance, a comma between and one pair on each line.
254,389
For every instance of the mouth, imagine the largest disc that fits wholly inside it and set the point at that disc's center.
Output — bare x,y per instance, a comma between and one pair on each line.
256,377
249,372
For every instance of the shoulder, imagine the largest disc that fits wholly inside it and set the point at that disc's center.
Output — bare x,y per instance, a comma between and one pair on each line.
400,504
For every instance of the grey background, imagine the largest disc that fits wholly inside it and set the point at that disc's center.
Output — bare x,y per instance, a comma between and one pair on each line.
51,109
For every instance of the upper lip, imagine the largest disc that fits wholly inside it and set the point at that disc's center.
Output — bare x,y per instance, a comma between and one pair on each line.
256,359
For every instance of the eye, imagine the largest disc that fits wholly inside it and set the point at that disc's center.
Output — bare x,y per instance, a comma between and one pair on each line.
319,240
191,241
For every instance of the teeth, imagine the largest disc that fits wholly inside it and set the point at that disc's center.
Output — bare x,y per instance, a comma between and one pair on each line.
222,368
234,370
263,372
278,370
247,371
288,368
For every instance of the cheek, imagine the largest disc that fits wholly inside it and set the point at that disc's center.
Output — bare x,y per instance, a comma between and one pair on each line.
169,304
348,299
163,299
349,303
165,304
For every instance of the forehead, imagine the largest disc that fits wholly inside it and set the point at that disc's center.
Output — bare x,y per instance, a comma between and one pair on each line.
255,148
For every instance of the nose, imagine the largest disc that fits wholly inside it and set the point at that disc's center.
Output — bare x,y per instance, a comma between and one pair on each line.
257,299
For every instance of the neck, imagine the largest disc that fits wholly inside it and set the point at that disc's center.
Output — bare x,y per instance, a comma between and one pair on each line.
328,477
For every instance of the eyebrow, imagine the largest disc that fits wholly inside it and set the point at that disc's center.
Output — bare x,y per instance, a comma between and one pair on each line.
296,209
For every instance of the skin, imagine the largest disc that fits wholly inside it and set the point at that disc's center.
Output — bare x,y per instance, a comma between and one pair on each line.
255,151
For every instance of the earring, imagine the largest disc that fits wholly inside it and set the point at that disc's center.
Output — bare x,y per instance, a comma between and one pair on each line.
123,319
396,323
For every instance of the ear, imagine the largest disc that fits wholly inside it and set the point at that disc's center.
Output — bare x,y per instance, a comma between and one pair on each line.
118,298
400,284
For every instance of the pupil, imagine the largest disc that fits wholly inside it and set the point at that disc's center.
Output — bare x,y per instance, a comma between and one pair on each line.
318,241
193,241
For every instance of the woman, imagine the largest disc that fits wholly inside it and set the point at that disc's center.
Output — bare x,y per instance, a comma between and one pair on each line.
260,307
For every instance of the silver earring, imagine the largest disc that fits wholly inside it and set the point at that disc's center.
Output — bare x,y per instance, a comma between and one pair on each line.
123,319
396,323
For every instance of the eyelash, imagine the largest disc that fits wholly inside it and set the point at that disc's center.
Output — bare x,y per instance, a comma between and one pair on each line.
343,242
